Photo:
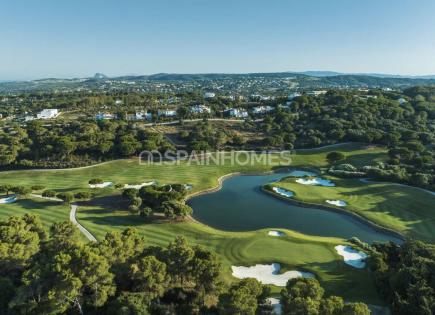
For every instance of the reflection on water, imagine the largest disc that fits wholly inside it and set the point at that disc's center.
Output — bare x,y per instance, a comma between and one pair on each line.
241,206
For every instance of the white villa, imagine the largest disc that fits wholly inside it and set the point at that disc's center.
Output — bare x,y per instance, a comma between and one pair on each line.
209,95
317,93
402,101
200,109
167,112
293,95
261,97
48,114
262,109
237,112
144,115
104,116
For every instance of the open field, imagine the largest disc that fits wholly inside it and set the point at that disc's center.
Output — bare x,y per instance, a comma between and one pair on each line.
404,209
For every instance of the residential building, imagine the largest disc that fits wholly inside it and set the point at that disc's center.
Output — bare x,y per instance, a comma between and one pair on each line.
143,115
104,116
291,96
262,109
166,113
48,113
402,101
237,112
317,93
199,109
209,95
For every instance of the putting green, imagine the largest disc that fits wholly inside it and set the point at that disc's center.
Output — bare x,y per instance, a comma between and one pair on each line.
404,209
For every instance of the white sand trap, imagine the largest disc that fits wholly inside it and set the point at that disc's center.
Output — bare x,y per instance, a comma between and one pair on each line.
275,233
276,304
352,257
139,186
315,181
188,186
268,274
10,199
299,173
283,192
338,203
102,185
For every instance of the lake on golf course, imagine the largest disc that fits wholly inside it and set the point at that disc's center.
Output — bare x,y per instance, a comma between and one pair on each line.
241,206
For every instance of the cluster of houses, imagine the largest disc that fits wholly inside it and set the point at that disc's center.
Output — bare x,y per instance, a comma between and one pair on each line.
49,113
145,115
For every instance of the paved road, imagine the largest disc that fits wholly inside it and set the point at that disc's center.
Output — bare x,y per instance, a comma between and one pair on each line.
72,218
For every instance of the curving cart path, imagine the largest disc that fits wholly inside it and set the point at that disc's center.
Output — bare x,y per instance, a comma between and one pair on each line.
72,218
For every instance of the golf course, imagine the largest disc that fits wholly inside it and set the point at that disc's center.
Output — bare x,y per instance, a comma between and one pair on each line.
385,204
404,209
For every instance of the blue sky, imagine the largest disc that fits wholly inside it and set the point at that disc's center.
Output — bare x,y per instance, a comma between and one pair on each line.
53,38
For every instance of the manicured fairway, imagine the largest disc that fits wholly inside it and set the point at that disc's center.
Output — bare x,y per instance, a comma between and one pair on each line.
293,251
404,209
48,211
200,176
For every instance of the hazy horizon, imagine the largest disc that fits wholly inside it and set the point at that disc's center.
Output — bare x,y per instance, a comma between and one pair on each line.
76,39
90,75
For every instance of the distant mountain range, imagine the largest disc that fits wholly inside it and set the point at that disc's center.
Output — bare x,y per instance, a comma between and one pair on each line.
302,80
188,76
377,75
307,73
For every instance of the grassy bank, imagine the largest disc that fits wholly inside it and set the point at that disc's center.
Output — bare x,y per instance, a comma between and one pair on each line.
404,209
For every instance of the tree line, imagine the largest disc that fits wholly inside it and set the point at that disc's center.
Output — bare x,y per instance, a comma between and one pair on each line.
75,144
55,273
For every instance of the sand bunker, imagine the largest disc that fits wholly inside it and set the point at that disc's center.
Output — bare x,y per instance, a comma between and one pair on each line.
352,257
139,186
299,173
338,203
102,185
10,199
188,186
315,181
268,274
276,304
283,192
275,233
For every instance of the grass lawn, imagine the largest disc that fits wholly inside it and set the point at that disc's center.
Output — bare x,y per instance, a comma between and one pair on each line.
48,211
200,176
404,209
294,251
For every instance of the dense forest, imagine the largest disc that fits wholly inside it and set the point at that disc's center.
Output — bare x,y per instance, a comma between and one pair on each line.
75,144
405,276
55,273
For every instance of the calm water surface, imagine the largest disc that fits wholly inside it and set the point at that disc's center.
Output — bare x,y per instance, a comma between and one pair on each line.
241,206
